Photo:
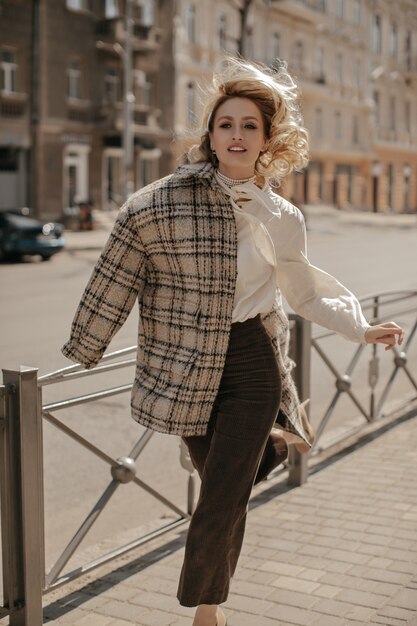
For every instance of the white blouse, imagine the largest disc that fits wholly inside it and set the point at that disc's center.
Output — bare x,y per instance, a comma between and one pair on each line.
272,259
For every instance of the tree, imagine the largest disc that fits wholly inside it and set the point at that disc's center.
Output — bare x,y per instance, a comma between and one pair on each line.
243,7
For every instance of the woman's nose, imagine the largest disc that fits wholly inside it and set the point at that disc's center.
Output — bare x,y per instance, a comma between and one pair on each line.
237,135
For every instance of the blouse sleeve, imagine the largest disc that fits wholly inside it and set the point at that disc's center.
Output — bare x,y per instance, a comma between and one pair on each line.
313,293
116,282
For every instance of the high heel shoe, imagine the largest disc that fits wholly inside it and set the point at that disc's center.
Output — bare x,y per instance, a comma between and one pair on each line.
301,446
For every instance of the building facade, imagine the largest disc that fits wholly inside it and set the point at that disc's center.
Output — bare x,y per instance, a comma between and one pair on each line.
63,89
356,64
62,102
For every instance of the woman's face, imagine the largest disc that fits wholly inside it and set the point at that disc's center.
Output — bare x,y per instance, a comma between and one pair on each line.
238,137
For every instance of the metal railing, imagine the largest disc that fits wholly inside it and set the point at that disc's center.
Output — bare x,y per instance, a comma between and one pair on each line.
398,304
21,454
21,483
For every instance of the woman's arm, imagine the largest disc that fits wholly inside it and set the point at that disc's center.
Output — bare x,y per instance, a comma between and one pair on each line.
116,282
318,296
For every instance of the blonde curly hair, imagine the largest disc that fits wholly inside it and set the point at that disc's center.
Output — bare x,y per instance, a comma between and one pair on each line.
276,95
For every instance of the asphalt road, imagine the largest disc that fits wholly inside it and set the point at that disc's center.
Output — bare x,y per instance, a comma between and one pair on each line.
38,303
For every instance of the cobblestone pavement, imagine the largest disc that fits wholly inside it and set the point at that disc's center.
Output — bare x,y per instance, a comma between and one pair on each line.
339,551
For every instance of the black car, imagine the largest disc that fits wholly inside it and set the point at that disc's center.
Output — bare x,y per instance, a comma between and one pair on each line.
20,235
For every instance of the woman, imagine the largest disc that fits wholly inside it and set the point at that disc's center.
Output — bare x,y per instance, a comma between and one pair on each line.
206,252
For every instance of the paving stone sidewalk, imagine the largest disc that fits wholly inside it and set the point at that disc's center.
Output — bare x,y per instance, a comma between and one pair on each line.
339,551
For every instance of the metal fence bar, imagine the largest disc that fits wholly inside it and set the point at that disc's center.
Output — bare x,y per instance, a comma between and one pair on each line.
81,533
106,558
57,374
24,426
9,511
85,373
300,353
89,397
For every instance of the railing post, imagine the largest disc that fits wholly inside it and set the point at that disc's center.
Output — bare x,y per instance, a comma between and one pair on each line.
300,352
22,499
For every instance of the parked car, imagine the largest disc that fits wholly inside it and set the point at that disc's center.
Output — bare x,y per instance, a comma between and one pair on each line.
20,235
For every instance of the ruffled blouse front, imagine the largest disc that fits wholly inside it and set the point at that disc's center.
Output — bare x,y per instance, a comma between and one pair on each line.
272,258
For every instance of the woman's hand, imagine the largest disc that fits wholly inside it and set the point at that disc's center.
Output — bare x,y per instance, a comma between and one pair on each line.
388,333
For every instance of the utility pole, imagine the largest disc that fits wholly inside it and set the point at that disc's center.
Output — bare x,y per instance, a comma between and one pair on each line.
128,102
34,109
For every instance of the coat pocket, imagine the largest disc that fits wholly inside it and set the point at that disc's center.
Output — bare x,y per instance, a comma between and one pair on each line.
160,370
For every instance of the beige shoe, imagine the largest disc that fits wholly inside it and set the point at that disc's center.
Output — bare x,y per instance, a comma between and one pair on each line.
221,619
303,447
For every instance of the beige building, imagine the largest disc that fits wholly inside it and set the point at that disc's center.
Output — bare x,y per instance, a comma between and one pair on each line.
62,90
356,63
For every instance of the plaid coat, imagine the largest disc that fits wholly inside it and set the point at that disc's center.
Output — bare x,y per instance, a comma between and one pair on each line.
174,249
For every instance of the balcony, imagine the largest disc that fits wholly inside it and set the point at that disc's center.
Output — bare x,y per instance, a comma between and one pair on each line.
13,105
79,110
309,10
145,118
146,38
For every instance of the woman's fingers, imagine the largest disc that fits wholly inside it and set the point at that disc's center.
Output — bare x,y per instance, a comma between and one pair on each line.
389,333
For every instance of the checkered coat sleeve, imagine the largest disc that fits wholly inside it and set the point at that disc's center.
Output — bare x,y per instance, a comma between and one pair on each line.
116,283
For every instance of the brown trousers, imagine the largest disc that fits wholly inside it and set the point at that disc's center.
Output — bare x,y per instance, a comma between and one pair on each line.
236,452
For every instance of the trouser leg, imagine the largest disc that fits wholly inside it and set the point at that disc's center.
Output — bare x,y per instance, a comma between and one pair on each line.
227,459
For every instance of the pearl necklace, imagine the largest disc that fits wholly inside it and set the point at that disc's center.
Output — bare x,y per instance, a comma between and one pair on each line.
230,182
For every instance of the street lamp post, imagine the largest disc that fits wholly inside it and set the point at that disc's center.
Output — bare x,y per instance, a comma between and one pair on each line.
128,105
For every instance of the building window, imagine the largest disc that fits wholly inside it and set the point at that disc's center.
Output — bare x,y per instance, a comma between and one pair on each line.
276,46
319,124
298,55
407,117
355,130
191,112
74,80
319,60
190,19
339,68
111,84
338,125
143,87
146,12
77,5
222,31
8,72
376,107
357,12
111,9
408,48
376,41
392,116
393,48
358,77
340,8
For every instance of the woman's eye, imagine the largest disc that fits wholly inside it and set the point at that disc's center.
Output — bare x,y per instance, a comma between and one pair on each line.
252,126
225,125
